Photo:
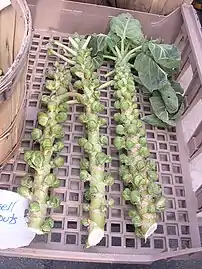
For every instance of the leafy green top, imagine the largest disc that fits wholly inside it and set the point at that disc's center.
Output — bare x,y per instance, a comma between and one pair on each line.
154,65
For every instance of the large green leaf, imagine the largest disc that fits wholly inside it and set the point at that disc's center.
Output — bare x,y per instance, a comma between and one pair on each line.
167,56
169,97
150,74
125,26
98,43
154,121
158,107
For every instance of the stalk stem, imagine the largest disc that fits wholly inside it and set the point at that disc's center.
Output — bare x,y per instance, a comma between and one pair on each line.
61,56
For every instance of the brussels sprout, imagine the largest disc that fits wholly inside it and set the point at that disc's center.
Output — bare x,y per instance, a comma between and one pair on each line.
88,147
85,222
138,180
25,192
102,158
78,84
124,105
160,204
57,131
84,175
50,85
82,142
102,121
124,159
45,99
92,125
86,207
117,117
119,142
37,134
52,106
53,202
152,208
120,129
153,175
132,129
59,161
27,181
126,194
36,160
103,140
127,178
97,107
47,225
136,220
43,118
129,143
47,144
140,165
108,179
154,189
58,146
144,151
135,197
143,141
61,117
34,207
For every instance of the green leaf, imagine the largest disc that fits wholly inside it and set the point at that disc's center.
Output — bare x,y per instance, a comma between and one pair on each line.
177,87
154,121
113,40
125,26
150,74
98,60
176,115
170,99
159,107
98,43
167,56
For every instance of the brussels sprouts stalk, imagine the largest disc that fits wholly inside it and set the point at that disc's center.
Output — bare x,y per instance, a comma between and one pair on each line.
43,161
92,170
137,171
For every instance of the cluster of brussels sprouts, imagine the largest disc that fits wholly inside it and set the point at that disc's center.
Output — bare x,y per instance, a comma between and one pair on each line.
92,167
137,171
43,161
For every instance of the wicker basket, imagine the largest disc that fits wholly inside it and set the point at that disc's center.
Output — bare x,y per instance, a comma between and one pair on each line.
15,41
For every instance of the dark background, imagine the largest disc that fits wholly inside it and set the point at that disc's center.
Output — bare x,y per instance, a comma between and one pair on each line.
18,263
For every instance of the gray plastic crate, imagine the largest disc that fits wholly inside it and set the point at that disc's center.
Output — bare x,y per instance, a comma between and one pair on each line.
177,235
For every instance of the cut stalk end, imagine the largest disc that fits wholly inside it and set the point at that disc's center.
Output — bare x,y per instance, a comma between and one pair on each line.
150,231
95,236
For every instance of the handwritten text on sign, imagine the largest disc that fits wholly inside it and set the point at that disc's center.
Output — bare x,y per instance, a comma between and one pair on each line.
10,217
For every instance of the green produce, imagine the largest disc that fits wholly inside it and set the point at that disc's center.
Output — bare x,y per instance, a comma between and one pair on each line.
154,66
92,168
48,134
124,43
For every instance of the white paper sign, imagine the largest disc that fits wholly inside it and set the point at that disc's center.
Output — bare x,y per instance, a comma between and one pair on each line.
14,232
4,3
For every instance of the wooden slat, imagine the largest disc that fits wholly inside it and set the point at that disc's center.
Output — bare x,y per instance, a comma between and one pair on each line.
163,7
7,30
